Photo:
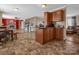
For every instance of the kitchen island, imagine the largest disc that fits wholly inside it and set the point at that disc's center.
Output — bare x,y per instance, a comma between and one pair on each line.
44,35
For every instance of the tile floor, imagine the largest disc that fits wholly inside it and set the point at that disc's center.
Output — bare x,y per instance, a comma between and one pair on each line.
26,45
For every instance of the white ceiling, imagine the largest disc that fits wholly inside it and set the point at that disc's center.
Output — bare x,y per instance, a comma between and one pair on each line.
72,9
30,10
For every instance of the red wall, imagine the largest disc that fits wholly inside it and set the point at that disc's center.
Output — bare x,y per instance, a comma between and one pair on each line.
6,21
17,24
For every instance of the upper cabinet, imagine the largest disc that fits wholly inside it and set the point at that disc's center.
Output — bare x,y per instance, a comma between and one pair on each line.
58,15
55,16
47,18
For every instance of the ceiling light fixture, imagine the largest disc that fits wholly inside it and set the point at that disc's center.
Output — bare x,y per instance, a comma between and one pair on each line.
44,5
16,9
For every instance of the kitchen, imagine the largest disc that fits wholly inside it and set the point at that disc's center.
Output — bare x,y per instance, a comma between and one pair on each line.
54,27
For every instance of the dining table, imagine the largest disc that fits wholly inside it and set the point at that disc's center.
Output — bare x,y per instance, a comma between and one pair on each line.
10,31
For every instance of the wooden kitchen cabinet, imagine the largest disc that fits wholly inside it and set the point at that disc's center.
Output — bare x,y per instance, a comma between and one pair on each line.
58,15
54,16
45,35
42,35
54,34
59,34
39,35
51,33
47,18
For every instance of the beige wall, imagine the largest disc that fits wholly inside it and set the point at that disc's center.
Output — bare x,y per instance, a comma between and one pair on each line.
0,22
0,18
77,20
35,20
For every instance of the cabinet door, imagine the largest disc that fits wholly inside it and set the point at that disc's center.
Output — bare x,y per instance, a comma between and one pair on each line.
58,15
46,35
47,18
51,34
39,35
54,33
52,16
59,34
61,37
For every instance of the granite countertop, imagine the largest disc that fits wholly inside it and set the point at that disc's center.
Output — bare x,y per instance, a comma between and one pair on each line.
50,27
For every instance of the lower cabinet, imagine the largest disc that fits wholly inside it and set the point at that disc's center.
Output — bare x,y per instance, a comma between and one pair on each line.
44,35
39,35
48,34
51,33
59,34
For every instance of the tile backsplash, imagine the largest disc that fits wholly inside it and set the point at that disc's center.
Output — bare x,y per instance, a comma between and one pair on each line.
59,24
